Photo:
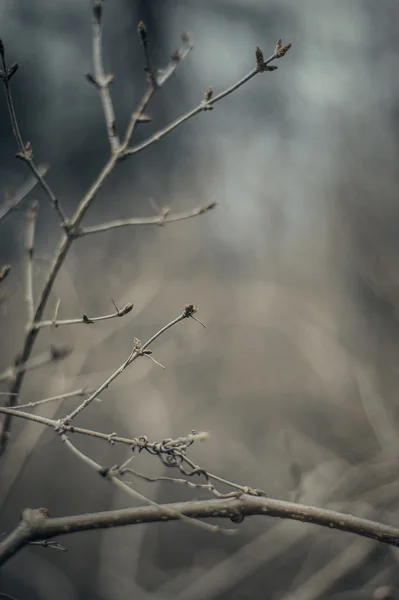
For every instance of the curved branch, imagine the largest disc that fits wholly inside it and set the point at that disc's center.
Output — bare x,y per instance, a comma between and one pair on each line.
36,526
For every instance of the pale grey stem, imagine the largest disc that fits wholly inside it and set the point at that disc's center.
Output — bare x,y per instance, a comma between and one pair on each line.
161,219
103,81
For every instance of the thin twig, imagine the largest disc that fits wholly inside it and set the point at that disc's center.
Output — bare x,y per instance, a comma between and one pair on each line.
85,319
161,79
136,352
74,394
102,81
141,443
202,107
25,150
75,222
13,203
161,219
236,509
29,251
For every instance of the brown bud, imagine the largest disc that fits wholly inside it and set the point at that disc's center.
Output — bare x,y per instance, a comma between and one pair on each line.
86,320
142,31
189,310
259,58
125,310
91,79
97,10
208,94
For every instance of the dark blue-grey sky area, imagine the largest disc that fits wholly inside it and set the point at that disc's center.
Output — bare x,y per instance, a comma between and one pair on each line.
295,273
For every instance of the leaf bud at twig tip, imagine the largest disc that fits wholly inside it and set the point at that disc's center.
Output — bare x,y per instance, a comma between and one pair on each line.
185,38
189,310
126,309
281,49
2,49
97,10
142,31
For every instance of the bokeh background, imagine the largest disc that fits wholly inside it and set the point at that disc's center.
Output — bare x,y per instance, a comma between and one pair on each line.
295,273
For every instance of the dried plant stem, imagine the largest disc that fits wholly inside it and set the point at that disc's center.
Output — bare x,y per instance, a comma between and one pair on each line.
136,352
138,443
102,81
58,261
73,394
34,526
161,219
202,107
85,319
29,251
72,227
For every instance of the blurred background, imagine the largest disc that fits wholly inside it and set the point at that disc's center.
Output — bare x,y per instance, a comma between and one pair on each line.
295,274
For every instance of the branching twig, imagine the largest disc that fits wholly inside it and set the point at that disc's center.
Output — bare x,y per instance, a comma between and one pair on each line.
161,79
100,79
111,474
85,319
207,104
138,350
72,227
29,250
161,219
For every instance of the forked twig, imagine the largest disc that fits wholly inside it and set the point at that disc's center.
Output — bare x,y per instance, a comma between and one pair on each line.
86,319
138,350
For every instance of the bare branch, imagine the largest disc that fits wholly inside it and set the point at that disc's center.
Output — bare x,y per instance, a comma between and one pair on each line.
161,79
74,394
35,527
202,107
85,319
31,217
163,218
72,227
100,79
136,352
